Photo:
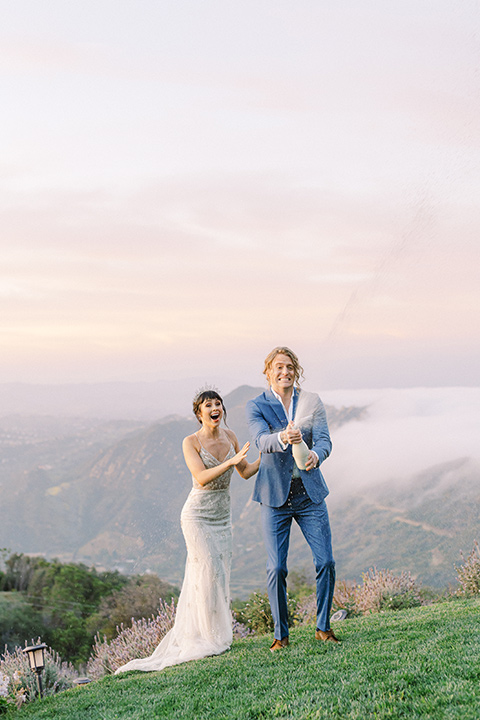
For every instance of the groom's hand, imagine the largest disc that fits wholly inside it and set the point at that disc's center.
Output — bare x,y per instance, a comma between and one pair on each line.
311,461
292,434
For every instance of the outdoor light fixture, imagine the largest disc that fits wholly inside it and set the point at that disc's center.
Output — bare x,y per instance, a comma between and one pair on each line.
36,658
82,681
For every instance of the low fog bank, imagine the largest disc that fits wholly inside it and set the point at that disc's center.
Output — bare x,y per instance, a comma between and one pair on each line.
402,433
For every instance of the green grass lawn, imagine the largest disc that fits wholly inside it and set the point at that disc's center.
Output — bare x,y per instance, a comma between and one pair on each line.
420,663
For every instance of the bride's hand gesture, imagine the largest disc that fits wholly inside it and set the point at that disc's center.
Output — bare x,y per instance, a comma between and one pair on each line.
241,455
244,468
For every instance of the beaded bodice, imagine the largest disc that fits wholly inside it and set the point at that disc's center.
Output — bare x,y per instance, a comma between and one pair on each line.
223,481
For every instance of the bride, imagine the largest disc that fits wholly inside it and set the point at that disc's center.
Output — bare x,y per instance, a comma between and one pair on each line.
203,622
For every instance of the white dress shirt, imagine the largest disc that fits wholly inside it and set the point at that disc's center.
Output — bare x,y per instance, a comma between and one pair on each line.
289,416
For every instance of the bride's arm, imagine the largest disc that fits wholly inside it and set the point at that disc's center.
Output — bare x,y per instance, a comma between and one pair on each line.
244,468
195,464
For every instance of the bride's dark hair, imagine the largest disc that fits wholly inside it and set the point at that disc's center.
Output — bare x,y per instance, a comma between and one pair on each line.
207,395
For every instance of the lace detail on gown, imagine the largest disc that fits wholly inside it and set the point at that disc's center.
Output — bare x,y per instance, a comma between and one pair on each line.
203,621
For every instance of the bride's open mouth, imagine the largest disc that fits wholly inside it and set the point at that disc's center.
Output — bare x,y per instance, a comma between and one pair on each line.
215,416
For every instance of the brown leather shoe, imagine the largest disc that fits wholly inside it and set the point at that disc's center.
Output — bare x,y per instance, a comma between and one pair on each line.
326,636
279,644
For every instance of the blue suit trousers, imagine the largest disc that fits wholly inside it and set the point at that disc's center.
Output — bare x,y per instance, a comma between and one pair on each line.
313,521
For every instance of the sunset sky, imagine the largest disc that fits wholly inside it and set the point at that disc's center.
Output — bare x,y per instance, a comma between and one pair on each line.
185,185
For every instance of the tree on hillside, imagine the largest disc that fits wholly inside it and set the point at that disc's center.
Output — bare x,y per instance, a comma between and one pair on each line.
19,622
19,570
67,596
67,604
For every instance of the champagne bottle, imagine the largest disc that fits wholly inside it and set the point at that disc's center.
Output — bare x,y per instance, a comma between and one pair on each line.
300,452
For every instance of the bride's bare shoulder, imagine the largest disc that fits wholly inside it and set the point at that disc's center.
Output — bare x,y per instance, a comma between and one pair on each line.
231,435
191,441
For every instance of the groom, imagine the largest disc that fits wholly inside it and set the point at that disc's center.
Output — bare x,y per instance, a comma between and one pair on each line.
285,492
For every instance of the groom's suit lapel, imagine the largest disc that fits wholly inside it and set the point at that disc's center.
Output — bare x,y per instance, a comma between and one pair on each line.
277,406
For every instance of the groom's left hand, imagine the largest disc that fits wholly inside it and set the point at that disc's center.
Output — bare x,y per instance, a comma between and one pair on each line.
311,461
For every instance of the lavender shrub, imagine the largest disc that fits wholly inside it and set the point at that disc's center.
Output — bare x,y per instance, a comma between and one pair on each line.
343,599
240,630
22,682
382,590
307,610
10,693
137,641
469,573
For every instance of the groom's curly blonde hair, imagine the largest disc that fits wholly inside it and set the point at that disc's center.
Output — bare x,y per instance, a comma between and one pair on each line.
297,368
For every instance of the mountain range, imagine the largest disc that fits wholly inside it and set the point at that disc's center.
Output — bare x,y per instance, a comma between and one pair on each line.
109,494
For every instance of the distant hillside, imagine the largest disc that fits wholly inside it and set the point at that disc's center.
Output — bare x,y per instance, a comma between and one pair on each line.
420,527
110,494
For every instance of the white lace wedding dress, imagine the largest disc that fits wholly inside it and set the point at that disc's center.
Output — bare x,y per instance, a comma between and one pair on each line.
203,621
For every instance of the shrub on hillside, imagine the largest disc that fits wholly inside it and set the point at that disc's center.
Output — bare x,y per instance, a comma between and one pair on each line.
11,693
381,590
469,573
343,599
257,616
137,599
307,610
301,583
240,630
21,685
137,641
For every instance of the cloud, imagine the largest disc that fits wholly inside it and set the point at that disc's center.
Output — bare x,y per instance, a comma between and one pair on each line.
248,175
404,432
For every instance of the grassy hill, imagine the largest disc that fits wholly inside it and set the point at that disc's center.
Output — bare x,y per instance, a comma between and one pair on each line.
416,664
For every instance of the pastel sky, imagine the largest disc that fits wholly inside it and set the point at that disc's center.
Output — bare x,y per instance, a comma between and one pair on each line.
185,184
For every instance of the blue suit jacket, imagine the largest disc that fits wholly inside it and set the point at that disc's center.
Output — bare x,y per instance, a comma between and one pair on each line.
266,418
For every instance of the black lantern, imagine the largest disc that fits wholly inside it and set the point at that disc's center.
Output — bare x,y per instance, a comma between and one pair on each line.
36,658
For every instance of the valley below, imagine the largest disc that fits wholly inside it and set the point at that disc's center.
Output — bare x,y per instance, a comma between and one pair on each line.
108,493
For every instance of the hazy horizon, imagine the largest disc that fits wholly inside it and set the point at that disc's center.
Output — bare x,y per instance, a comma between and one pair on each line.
402,432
